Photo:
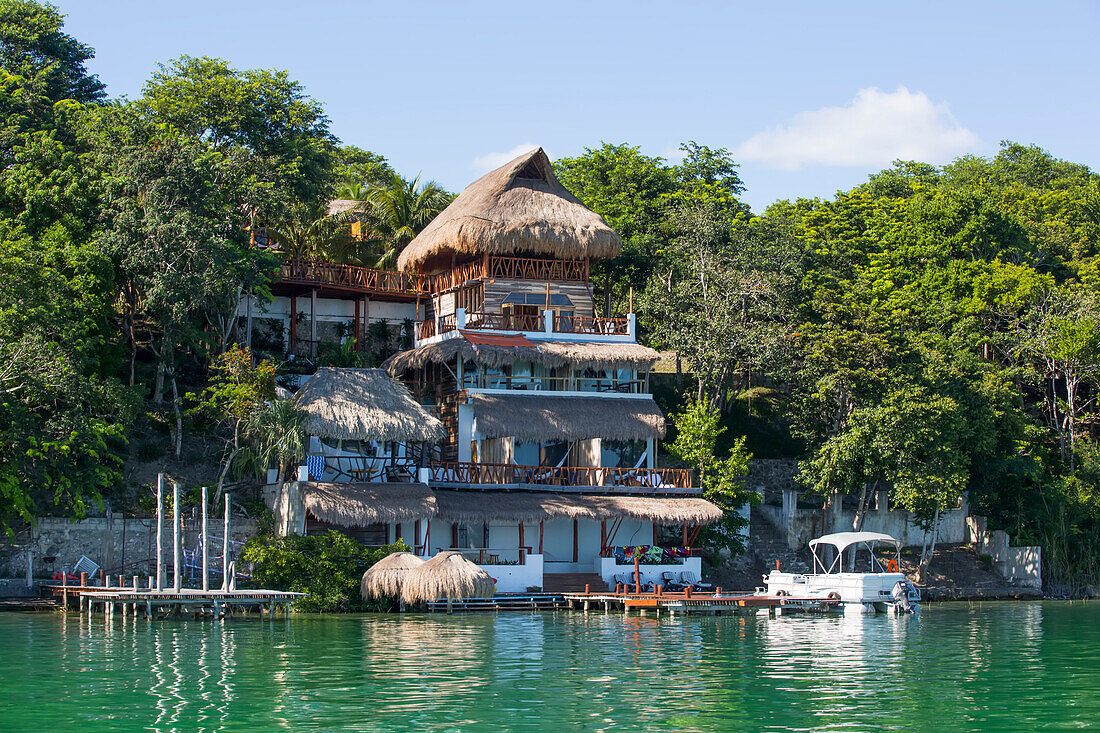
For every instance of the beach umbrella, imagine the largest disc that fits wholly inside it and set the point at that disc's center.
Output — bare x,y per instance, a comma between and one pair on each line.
447,575
384,578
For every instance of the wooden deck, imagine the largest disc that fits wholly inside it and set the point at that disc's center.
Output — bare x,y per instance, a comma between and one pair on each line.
697,603
153,603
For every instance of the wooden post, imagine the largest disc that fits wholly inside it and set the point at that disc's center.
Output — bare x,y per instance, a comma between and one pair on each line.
225,547
637,575
574,540
454,534
521,542
603,537
83,580
65,589
177,580
654,540
540,536
205,555
160,531
313,322
355,330
684,534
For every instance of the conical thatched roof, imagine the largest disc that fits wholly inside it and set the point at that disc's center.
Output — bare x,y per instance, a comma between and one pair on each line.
518,208
364,404
384,578
447,575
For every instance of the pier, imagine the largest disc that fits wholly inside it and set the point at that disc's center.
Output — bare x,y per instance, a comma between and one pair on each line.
688,602
153,603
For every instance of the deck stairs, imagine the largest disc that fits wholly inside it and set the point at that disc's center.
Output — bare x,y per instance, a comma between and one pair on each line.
572,582
769,546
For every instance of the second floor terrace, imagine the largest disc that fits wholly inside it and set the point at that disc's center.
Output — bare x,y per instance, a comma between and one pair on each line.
545,324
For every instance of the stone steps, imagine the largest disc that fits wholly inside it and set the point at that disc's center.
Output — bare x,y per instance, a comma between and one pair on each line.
769,546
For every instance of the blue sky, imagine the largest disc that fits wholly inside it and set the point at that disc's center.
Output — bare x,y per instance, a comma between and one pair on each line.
810,97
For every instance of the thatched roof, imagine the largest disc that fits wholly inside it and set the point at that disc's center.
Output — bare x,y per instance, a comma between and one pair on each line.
447,575
339,206
580,354
363,504
518,208
384,578
364,404
524,506
532,416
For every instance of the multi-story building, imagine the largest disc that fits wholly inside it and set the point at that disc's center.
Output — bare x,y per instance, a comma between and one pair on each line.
548,474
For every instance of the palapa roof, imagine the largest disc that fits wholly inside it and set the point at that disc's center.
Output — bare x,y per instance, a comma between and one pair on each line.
384,578
364,404
517,208
580,354
339,206
447,575
532,506
533,416
363,504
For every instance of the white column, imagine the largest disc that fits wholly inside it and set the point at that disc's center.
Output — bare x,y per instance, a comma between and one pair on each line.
225,547
548,321
160,531
632,325
460,317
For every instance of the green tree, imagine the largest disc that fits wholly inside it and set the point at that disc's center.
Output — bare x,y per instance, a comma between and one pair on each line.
398,211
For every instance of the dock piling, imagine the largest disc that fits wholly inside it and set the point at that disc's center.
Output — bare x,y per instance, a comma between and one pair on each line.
160,532
176,579
205,578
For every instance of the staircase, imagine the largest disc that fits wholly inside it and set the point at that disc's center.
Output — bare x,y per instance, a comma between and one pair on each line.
769,546
572,582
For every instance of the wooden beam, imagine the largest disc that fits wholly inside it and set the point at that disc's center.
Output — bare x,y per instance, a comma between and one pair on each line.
574,540
540,536
521,542
454,534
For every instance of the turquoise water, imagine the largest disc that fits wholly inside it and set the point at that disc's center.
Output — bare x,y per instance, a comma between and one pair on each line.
995,666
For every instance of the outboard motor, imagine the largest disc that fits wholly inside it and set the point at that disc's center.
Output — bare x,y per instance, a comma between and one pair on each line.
906,597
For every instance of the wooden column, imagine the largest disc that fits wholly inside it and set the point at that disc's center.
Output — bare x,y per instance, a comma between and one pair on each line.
313,323
654,540
540,536
603,537
684,534
521,542
416,534
454,534
574,540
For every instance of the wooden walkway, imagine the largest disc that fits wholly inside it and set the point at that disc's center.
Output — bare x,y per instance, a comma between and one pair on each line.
697,603
153,603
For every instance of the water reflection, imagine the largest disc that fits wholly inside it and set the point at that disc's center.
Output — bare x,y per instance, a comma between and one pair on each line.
1002,666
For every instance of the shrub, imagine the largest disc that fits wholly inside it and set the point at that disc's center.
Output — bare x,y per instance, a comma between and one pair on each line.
327,566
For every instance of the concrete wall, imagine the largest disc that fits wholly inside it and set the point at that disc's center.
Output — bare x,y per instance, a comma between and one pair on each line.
1020,565
517,578
118,543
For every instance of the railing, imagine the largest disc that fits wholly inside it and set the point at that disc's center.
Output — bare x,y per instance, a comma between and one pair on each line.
584,324
425,329
554,384
310,272
492,555
530,322
512,268
652,479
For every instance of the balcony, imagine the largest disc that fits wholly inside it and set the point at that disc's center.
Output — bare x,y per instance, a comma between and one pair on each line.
563,478
595,385
548,323
352,279
512,268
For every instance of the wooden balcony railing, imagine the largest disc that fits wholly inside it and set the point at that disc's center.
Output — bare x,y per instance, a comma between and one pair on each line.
528,322
504,321
513,268
623,480
310,272
554,384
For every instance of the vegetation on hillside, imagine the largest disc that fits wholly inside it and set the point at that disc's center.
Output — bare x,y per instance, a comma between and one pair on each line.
933,331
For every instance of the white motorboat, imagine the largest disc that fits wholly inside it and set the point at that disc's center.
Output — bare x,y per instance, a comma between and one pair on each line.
871,582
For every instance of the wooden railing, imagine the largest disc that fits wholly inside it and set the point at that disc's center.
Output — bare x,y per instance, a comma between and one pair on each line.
512,268
505,321
553,384
425,329
310,272
584,324
641,479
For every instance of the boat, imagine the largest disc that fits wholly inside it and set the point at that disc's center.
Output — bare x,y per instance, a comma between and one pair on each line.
873,582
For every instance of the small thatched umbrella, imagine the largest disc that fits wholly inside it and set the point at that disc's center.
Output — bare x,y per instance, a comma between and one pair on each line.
384,578
447,575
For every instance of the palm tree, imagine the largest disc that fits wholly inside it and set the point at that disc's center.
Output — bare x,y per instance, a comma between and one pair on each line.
398,211
306,232
276,432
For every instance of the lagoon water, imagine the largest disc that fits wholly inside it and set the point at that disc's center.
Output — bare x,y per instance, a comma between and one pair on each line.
991,666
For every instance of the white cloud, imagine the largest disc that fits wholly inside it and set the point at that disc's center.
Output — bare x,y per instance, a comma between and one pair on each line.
876,128
489,161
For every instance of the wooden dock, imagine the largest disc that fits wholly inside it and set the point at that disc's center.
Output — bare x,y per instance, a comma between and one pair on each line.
716,603
160,603
515,602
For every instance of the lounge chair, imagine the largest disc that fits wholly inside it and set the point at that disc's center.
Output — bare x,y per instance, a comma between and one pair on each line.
621,579
689,578
670,583
646,585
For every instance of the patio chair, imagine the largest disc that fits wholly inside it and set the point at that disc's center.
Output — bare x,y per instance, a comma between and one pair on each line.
621,579
690,578
669,581
646,585
85,565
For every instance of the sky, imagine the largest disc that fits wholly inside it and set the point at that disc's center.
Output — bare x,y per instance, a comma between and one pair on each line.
809,97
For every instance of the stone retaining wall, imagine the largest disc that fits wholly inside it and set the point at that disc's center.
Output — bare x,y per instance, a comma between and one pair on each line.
1019,565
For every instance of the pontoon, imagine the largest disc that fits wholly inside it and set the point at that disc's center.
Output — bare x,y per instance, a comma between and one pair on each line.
872,581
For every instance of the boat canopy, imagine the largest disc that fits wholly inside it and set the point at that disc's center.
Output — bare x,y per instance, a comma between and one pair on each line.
843,540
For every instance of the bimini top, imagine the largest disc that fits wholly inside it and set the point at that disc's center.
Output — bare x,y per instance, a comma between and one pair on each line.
520,208
842,540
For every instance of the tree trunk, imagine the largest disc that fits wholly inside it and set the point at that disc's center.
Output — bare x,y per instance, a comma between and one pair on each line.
179,417
926,554
861,513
